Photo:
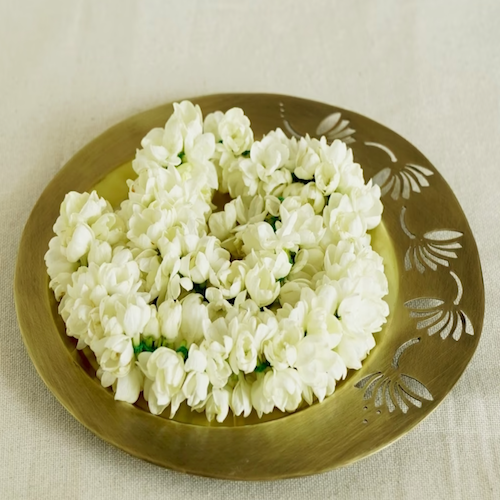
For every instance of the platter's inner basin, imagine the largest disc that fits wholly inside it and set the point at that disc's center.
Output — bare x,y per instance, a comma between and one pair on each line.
113,187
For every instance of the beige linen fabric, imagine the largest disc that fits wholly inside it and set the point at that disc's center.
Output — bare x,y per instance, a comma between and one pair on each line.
428,69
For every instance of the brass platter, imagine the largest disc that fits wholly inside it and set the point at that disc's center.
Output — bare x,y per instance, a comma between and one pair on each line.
436,300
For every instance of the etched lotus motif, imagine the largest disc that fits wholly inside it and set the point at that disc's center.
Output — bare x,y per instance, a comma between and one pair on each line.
400,179
437,316
433,249
333,126
395,390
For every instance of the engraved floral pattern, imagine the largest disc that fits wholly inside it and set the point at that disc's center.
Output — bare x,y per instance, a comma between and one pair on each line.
400,179
395,389
438,316
333,126
433,249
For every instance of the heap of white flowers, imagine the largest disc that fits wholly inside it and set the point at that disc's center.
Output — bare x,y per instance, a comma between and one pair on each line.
263,304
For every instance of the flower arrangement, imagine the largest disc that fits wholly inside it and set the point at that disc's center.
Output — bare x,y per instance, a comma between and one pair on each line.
263,304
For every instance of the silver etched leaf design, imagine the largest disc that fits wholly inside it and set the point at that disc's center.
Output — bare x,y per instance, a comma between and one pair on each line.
334,127
433,249
399,392
436,316
395,390
411,178
400,179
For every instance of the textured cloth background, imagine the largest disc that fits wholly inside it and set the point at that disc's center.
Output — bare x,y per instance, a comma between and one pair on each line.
428,69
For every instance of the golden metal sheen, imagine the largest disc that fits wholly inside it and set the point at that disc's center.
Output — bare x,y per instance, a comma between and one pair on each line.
436,300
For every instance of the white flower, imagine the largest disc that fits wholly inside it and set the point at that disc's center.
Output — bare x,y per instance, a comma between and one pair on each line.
115,355
79,208
195,320
219,338
79,306
121,275
272,204
262,285
365,269
320,319
342,219
186,237
148,225
149,263
88,288
165,375
201,151
327,173
262,401
291,290
275,182
211,124
100,252
269,155
78,314
353,349
195,389
281,349
257,236
218,404
170,317
300,227
303,158
176,285
366,202
250,209
308,262
267,159
241,398
125,314
206,261
196,267
245,346
312,195
242,178
163,185
291,204
163,145
197,360
129,387
293,190
235,132
152,327
109,228
232,279
340,158
201,177
218,369
218,306
277,262
327,177
362,315
222,223
79,215
190,118
338,259
58,267
318,366
283,388
79,243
